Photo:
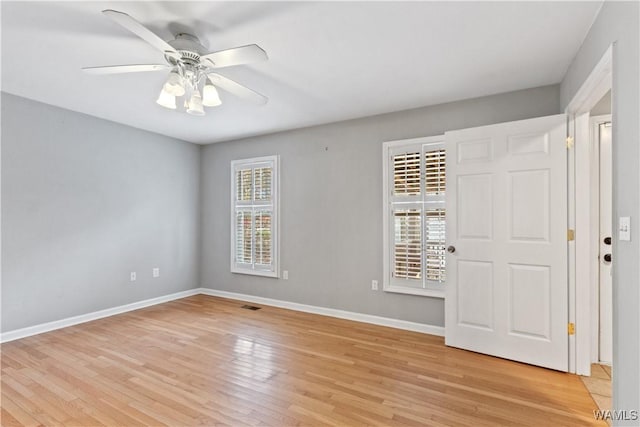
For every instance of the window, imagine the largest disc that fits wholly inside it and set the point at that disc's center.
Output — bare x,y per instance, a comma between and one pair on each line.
254,216
414,216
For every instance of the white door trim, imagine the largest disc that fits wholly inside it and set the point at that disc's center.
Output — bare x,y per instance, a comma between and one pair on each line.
580,271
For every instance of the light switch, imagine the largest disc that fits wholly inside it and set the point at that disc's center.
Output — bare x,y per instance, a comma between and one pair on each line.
624,228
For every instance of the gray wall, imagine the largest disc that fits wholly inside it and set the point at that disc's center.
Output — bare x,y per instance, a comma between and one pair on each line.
331,204
618,23
86,201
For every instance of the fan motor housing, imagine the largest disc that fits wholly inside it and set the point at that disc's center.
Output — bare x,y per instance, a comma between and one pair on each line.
189,47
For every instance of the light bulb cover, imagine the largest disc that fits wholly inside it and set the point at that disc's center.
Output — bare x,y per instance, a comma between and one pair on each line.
195,105
210,97
175,84
166,100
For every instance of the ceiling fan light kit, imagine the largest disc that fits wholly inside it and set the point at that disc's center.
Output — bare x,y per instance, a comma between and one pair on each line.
210,97
192,74
194,106
185,80
175,84
167,100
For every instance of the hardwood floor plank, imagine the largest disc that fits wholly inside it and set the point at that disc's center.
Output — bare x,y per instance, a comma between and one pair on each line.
14,415
205,361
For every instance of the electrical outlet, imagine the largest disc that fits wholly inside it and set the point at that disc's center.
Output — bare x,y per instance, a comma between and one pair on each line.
156,272
285,274
374,285
133,276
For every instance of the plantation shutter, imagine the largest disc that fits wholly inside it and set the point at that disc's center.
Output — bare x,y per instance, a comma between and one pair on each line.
434,244
262,237
253,231
434,216
406,174
434,172
244,227
407,244
417,184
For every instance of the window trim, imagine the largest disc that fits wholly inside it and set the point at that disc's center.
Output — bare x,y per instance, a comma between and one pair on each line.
387,148
275,219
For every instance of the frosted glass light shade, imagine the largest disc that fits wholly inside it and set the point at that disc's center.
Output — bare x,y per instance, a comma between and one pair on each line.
195,105
210,97
166,100
175,84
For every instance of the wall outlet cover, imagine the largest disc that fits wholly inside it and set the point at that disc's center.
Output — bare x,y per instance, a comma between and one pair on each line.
624,228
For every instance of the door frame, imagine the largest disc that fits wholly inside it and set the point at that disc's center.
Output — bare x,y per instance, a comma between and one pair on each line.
581,265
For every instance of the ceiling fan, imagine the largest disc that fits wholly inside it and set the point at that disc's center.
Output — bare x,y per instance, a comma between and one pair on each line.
192,75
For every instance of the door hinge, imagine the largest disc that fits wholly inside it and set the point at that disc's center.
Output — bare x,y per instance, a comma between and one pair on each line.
571,328
569,142
571,235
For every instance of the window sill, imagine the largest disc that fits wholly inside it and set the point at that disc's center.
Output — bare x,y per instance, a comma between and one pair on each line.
271,274
434,293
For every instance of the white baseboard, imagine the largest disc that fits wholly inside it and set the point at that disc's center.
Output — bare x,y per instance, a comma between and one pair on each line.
70,321
341,314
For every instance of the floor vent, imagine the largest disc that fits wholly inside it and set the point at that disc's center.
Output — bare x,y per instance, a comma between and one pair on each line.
250,307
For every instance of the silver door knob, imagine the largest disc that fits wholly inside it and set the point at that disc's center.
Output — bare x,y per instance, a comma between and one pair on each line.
451,249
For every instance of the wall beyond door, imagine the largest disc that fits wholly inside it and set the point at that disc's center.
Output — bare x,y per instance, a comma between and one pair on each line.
86,201
331,204
618,24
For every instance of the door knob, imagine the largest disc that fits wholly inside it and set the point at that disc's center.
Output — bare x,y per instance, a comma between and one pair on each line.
451,249
607,240
607,257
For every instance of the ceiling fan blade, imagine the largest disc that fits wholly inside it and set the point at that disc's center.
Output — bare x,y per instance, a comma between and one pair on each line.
236,56
117,69
237,89
140,30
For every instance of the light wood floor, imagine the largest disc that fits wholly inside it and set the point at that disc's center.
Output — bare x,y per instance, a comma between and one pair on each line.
205,361
599,385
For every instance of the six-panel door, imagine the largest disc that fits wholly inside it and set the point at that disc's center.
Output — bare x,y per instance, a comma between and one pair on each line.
506,217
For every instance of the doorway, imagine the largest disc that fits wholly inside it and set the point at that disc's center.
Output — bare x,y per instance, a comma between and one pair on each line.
593,99
602,130
601,127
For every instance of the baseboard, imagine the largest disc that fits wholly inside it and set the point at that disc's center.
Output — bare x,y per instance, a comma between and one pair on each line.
341,314
70,321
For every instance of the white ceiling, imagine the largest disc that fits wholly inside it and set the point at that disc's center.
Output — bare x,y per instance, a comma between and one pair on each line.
328,61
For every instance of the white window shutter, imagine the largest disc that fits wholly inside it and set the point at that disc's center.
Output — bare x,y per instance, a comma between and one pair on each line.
406,174
407,245
415,217
243,237
244,187
434,172
434,242
254,216
263,183
262,238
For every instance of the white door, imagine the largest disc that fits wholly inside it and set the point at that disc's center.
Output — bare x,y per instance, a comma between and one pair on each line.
506,292
605,258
